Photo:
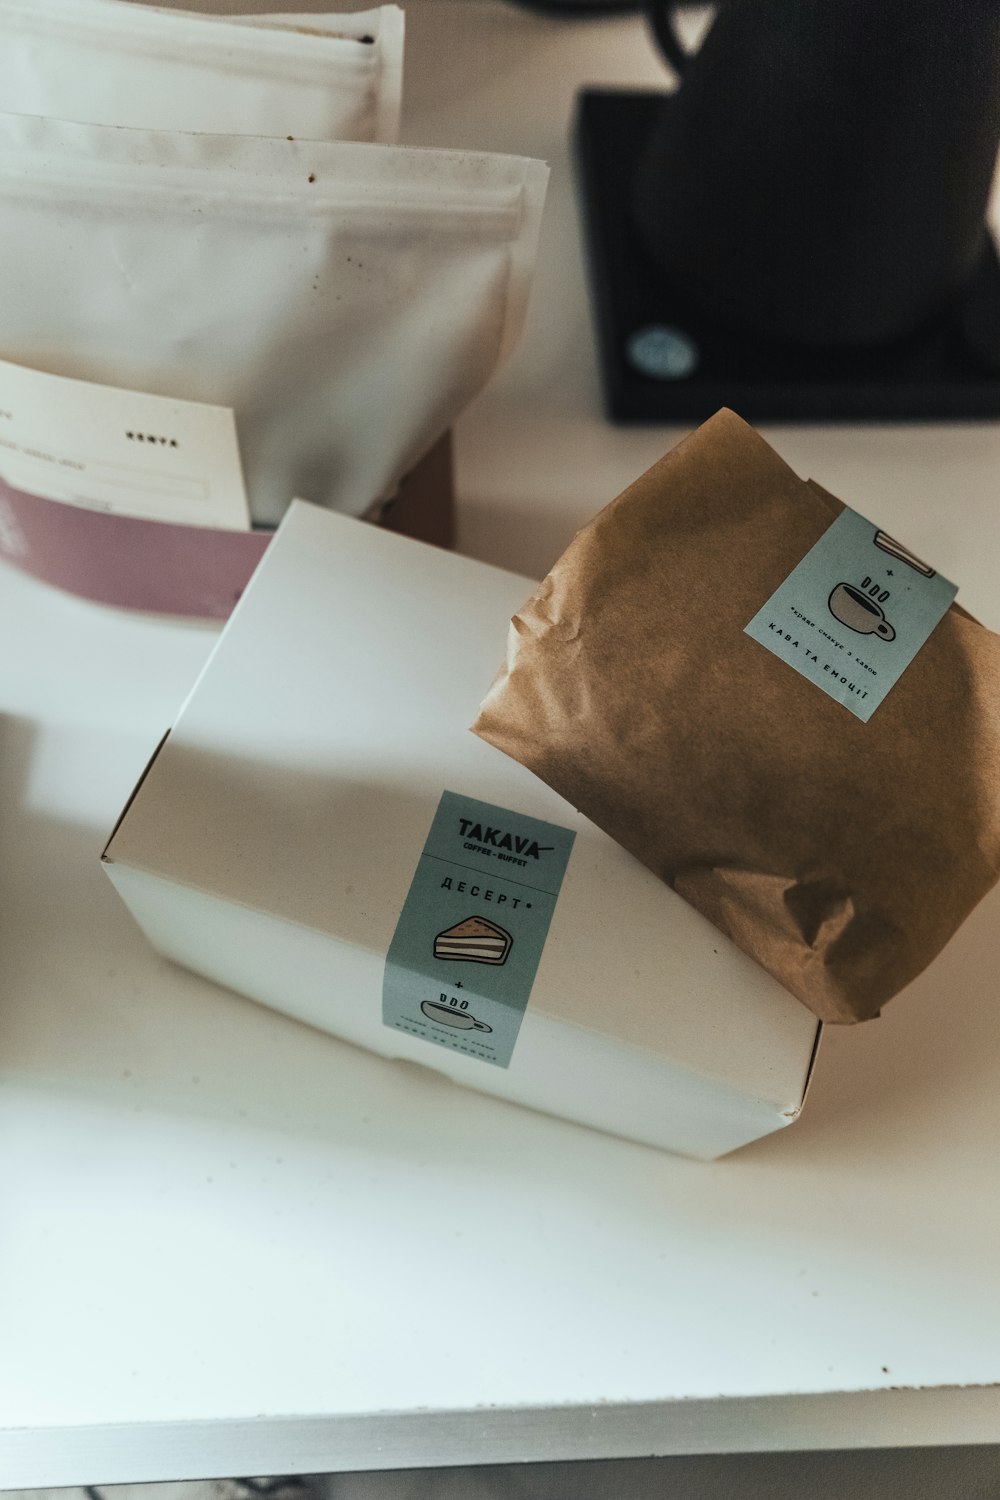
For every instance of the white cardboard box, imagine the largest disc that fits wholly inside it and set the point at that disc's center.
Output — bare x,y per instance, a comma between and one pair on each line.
273,839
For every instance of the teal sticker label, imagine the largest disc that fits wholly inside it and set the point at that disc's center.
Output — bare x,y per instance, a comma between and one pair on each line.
470,936
854,613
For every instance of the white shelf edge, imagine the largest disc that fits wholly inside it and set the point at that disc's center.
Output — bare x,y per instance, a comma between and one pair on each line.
146,1452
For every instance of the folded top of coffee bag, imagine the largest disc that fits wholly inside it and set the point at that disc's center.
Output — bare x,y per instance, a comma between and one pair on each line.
344,300
324,77
776,707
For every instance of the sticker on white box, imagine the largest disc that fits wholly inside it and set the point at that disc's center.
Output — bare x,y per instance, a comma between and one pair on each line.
469,939
127,453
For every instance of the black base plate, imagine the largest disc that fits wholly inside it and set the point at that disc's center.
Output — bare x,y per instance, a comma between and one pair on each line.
950,369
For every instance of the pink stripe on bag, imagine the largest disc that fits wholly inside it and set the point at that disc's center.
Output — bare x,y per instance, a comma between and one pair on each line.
126,561
187,570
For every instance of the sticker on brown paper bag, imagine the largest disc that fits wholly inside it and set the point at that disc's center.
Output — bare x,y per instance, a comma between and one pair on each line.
854,613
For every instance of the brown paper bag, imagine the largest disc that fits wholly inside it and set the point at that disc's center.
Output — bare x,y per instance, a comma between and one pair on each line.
841,855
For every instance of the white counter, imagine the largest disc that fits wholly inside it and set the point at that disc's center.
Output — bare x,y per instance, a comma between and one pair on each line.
230,1244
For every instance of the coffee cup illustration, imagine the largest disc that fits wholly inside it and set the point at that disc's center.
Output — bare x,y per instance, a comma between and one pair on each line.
855,610
445,1016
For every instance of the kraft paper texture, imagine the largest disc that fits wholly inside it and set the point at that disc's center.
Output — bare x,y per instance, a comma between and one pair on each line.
840,855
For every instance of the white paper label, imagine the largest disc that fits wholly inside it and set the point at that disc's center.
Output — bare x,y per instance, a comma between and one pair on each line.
124,452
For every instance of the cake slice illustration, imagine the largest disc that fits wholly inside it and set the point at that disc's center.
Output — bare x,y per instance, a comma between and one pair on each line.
475,940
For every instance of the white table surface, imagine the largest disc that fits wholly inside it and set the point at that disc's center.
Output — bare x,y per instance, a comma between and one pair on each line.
231,1245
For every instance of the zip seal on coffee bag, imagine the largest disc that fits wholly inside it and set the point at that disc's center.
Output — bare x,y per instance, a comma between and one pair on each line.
841,855
853,614
346,300
114,62
469,938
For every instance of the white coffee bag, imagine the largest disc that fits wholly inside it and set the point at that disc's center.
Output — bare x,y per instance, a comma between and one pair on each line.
113,62
345,300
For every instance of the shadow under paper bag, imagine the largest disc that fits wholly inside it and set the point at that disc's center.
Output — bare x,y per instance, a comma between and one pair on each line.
840,854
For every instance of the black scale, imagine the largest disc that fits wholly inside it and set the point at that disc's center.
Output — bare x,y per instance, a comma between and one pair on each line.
663,360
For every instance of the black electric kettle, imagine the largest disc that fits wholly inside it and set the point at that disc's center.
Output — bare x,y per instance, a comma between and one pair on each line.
822,174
